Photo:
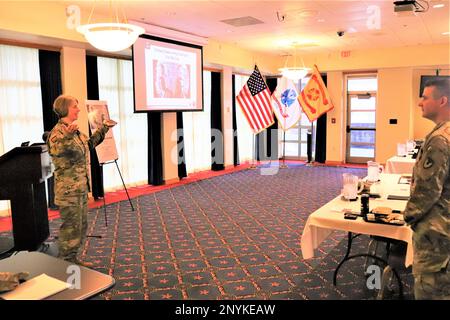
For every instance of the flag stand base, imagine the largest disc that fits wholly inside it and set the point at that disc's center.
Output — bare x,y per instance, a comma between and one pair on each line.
310,164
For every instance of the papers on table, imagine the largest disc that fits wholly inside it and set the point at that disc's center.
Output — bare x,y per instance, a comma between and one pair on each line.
397,197
405,179
37,288
399,191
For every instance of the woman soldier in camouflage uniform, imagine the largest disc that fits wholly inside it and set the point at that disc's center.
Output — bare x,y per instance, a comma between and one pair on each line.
69,149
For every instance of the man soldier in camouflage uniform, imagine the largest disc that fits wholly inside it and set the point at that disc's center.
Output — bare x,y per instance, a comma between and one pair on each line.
428,209
69,149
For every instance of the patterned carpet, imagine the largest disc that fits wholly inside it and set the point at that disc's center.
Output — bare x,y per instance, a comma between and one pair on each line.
235,236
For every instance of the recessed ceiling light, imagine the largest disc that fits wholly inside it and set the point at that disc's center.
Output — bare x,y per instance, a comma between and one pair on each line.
437,6
446,33
320,20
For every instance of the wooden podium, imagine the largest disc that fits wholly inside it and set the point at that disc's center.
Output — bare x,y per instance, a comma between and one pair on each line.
23,172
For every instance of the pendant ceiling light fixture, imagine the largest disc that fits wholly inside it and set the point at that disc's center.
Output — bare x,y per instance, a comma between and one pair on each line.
110,36
294,73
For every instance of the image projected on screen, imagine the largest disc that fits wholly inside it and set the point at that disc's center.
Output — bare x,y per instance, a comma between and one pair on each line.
170,80
168,76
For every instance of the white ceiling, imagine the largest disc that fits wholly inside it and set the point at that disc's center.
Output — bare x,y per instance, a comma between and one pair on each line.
313,25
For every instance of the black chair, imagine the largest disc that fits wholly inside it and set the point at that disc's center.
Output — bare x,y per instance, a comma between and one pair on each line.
394,255
396,262
374,243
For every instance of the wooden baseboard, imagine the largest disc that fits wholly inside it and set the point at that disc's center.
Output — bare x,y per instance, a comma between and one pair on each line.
345,164
171,181
334,163
5,213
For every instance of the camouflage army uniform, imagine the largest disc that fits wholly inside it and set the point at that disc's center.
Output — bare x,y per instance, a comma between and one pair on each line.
70,153
10,280
428,213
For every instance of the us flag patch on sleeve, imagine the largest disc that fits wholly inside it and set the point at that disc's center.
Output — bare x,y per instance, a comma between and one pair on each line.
428,163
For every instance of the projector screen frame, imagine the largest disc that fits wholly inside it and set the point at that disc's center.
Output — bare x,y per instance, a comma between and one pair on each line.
175,42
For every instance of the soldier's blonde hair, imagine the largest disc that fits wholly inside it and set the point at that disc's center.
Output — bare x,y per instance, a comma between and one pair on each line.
61,105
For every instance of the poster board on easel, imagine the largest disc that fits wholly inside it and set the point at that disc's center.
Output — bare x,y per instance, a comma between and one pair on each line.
98,112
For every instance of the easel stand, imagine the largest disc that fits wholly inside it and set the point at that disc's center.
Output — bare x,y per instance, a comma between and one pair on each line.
123,183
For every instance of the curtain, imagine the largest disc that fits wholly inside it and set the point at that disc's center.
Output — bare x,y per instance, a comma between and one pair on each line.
217,150
197,129
21,116
155,167
321,135
51,85
272,131
235,133
51,88
263,139
180,145
244,132
115,79
92,94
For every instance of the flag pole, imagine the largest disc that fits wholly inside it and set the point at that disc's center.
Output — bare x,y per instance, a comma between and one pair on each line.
284,165
252,165
310,161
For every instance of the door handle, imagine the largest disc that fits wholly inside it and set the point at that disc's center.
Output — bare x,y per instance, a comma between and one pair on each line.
359,129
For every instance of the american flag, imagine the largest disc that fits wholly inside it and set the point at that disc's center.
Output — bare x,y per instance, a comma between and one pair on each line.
255,102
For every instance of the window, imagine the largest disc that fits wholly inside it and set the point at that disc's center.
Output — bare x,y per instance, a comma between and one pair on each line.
245,134
197,132
21,102
115,80
296,137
